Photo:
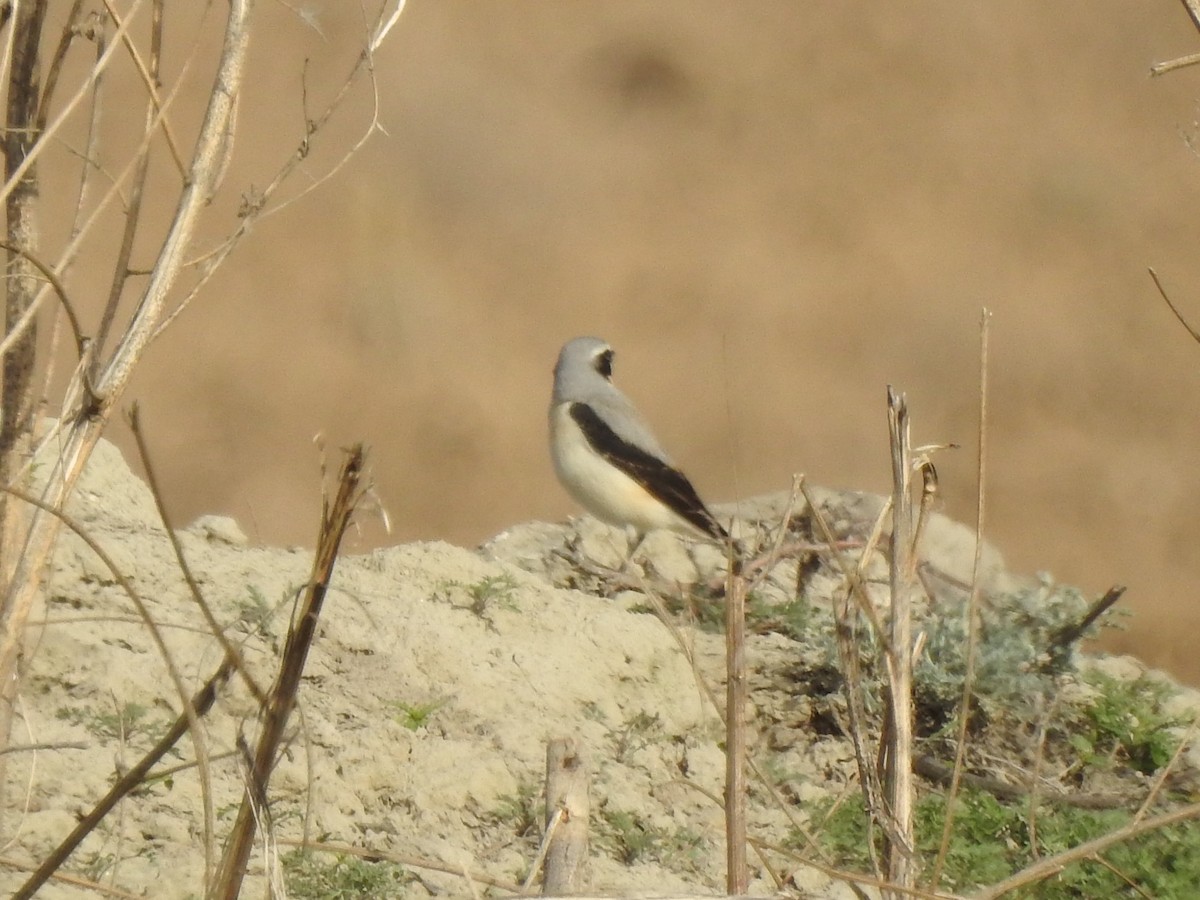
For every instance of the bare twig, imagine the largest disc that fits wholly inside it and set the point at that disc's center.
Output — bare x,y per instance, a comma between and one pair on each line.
53,745
65,39
259,208
149,75
1171,65
74,880
14,178
853,879
1162,291
845,632
133,207
1192,7
1193,11
231,652
1161,779
939,772
1063,638
18,329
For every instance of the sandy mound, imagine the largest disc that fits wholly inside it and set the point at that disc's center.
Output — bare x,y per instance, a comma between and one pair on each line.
437,678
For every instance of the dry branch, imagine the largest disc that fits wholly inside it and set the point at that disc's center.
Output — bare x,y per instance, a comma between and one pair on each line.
84,425
897,777
335,519
1067,636
567,810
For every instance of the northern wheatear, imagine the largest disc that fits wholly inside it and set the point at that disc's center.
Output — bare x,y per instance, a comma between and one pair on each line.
606,456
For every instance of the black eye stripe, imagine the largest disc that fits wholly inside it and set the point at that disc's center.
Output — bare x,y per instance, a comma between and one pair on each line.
603,363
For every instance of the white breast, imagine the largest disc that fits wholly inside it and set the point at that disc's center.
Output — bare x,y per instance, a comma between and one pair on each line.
601,488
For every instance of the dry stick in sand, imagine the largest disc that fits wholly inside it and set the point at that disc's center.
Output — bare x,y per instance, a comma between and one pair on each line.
334,521
898,779
737,874
567,806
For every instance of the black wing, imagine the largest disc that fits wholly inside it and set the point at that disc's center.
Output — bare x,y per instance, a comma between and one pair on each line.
659,479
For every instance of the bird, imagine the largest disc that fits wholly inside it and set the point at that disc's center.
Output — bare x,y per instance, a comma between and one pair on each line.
608,459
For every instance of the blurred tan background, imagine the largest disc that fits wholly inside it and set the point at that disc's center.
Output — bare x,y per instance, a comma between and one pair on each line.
773,210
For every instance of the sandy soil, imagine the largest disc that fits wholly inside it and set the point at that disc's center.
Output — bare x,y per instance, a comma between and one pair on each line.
489,647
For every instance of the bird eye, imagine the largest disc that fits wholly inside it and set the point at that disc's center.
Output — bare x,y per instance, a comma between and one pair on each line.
604,363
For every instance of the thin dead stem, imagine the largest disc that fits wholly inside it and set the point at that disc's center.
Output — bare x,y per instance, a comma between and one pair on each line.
737,876
898,778
259,208
972,612
19,329
1161,779
82,91
1162,292
334,521
148,72
854,878
231,652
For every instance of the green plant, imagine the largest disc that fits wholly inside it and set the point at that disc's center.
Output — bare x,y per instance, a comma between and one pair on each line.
992,840
1126,723
630,838
126,722
416,715
793,618
521,810
493,590
627,835
638,731
313,877
254,613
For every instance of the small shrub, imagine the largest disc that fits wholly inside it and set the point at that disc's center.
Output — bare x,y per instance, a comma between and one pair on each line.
992,840
313,877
